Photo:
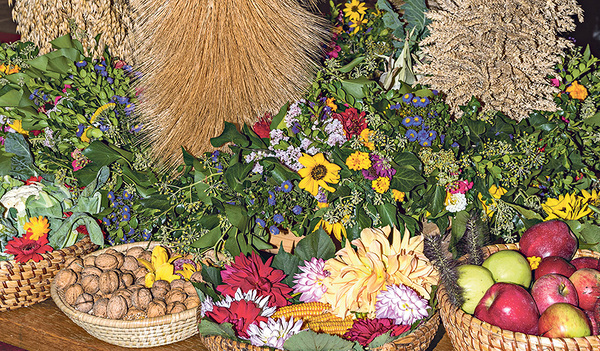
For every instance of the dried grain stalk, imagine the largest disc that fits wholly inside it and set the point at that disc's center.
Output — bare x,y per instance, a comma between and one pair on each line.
207,61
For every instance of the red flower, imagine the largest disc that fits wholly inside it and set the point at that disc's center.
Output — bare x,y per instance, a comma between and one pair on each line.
120,64
263,127
27,249
82,229
241,314
32,180
365,330
252,274
353,123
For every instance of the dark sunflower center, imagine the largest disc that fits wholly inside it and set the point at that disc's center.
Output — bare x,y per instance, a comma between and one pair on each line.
318,172
355,8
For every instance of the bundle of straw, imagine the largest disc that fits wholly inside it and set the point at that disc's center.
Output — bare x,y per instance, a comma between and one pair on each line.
204,62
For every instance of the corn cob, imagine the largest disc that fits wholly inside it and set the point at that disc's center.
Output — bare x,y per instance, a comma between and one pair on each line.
301,310
325,317
335,326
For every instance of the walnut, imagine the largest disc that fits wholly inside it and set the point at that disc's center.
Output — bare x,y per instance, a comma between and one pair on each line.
106,261
192,302
175,295
127,279
136,251
176,307
160,289
108,282
84,303
156,308
118,255
89,261
72,292
89,283
126,293
130,263
91,271
140,281
116,308
189,289
134,314
74,263
100,307
140,272
196,277
64,278
177,284
141,298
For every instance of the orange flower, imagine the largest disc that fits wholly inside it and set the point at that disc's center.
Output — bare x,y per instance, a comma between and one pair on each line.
36,228
577,91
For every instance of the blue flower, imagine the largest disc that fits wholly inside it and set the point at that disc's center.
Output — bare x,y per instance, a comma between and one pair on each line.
111,195
105,221
80,130
417,120
442,137
126,209
129,108
127,68
100,67
136,128
454,144
127,195
251,201
296,128
425,142
110,80
104,127
146,234
121,99
271,198
111,241
81,64
297,209
214,156
423,134
415,101
407,97
126,216
278,218
407,121
287,186
395,106
432,134
424,101
219,168
411,135
261,222
274,230
131,232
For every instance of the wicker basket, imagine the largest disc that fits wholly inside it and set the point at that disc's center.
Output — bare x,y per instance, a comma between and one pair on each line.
468,333
25,284
148,332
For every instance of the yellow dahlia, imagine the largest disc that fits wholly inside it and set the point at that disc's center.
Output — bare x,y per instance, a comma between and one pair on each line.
317,172
357,276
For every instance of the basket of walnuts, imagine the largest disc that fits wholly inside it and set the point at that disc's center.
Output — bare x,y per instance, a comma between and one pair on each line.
134,295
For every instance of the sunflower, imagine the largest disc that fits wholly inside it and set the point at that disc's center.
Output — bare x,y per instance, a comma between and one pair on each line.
354,10
337,229
36,227
317,172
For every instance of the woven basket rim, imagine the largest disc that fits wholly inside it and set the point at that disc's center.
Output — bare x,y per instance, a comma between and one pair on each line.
46,256
468,321
118,323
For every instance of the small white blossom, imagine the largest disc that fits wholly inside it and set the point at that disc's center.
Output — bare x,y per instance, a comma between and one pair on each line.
456,203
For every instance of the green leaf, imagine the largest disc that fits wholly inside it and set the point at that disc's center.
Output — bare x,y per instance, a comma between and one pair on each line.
211,275
97,183
206,327
308,340
347,68
101,154
414,15
406,179
316,244
459,226
230,135
288,263
382,340
22,161
237,216
355,86
209,239
60,237
44,205
5,164
278,121
408,160
387,213
529,214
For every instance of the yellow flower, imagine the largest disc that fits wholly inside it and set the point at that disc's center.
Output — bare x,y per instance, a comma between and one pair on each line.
17,125
567,207
187,270
496,193
381,184
358,160
357,24
337,229
577,91
357,276
354,10
317,172
330,102
10,69
534,262
365,135
398,195
161,267
84,136
591,198
323,204
36,227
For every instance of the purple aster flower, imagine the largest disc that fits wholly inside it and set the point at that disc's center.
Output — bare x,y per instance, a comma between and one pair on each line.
271,198
278,218
274,230
110,80
261,222
402,304
407,97
296,128
309,283
129,108
382,166
411,135
287,186
297,210
81,64
80,129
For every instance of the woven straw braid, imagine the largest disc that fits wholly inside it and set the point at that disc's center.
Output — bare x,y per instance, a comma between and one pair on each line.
147,332
468,333
25,284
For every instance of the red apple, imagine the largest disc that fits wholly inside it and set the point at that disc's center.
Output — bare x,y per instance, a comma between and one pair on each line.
554,264
563,320
553,288
587,283
509,306
585,262
593,321
551,238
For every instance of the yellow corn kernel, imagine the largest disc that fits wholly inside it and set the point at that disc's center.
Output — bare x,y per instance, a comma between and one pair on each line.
301,310
322,318
335,327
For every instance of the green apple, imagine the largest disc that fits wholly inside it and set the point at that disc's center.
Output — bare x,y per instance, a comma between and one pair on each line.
474,281
509,266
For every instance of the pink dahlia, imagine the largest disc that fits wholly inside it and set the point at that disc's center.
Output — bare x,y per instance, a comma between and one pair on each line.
401,304
309,283
252,274
239,313
366,330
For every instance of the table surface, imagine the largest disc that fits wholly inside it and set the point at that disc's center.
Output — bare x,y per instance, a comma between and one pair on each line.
44,327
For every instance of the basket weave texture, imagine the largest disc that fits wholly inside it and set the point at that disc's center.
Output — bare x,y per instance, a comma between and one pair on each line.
418,340
468,333
25,284
148,332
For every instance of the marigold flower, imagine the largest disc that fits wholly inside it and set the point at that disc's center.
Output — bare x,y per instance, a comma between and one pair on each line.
398,195
331,103
577,91
381,184
36,228
365,137
358,160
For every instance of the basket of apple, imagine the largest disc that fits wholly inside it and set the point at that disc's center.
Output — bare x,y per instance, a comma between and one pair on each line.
540,294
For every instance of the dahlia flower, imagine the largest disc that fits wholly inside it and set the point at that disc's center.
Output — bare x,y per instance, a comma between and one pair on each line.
309,283
357,276
273,332
241,314
26,249
252,274
366,330
401,304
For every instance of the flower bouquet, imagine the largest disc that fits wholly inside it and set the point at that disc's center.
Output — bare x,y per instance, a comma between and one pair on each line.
375,291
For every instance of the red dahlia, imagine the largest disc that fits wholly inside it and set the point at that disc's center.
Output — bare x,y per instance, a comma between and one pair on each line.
263,127
252,274
353,123
366,330
241,314
26,249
